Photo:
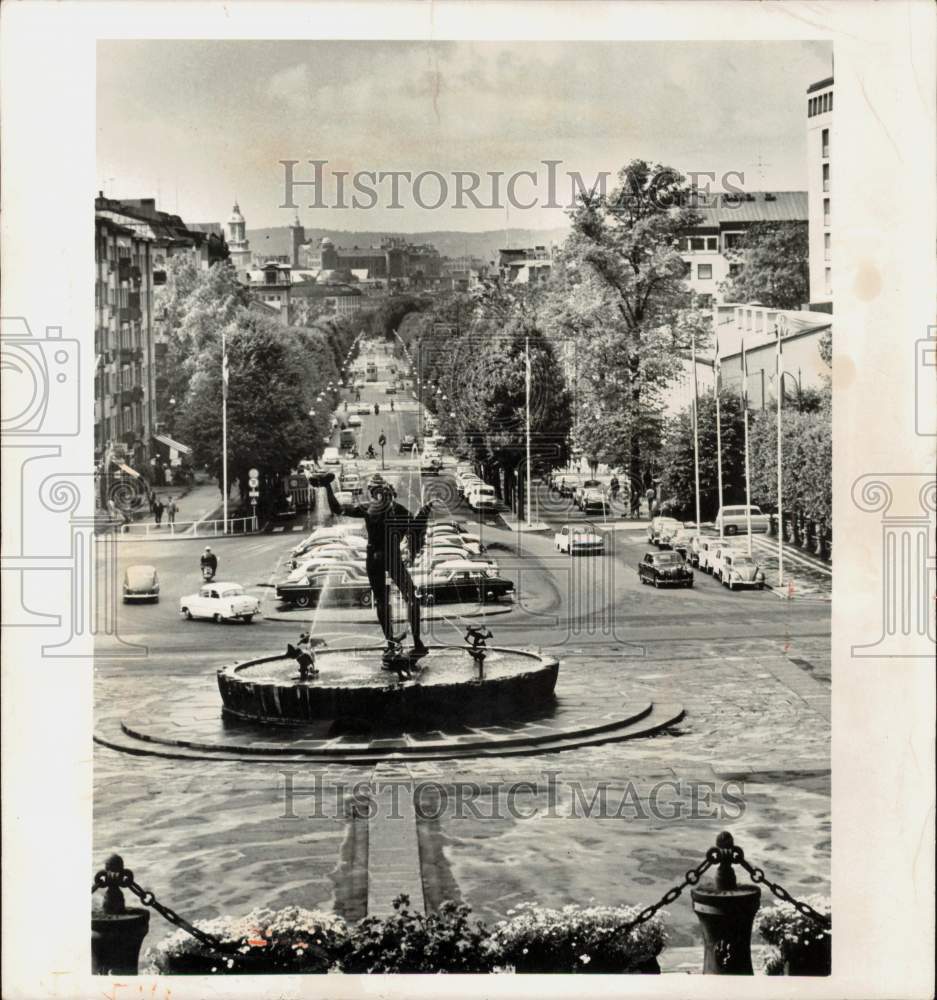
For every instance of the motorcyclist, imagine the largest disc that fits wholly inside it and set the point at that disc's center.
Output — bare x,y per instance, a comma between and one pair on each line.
388,523
209,563
371,451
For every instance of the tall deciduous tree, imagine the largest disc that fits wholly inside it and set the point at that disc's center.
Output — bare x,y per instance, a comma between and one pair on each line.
620,300
772,261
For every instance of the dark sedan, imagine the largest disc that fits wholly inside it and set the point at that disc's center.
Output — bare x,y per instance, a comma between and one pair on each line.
464,582
337,587
665,569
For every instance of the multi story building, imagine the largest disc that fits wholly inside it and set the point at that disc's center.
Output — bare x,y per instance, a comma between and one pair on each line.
238,244
525,265
272,286
394,260
124,389
819,126
724,221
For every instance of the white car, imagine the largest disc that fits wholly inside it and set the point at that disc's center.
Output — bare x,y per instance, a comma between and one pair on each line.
661,526
577,540
482,497
220,602
718,555
354,420
342,534
734,520
472,542
740,570
351,561
331,457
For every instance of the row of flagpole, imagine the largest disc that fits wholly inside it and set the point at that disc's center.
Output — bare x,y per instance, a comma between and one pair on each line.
743,395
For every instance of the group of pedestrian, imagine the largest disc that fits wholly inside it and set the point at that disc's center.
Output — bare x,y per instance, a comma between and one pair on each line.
159,508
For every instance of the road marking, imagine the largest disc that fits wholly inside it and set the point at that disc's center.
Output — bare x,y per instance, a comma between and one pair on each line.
278,529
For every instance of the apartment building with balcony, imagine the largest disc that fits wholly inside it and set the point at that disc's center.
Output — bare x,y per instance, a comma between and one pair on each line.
124,390
819,192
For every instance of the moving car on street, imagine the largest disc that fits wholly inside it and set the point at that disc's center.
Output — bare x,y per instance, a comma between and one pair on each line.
481,496
740,570
734,520
661,527
221,602
463,581
665,569
579,540
431,465
331,457
406,444
594,501
141,583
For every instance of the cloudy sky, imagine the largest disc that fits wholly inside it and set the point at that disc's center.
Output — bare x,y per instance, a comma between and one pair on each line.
199,124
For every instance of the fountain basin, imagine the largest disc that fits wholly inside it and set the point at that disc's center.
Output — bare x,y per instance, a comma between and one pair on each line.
351,689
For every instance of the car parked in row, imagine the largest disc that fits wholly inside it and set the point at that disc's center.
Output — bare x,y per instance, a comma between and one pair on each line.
740,570
660,528
665,569
465,582
342,584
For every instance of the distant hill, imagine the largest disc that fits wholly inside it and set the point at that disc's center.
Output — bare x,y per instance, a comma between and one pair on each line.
449,243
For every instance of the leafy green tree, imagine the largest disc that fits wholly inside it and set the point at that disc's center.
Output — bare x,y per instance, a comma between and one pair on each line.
678,475
773,266
275,375
620,304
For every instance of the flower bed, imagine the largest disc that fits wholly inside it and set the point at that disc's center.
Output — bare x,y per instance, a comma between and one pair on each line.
800,946
578,939
534,939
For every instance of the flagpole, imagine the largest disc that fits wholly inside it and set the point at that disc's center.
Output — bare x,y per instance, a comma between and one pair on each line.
695,432
719,427
527,391
224,428
748,485
780,392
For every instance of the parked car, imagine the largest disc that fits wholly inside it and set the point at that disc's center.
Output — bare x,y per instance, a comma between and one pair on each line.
471,542
466,481
339,533
481,496
698,553
579,540
679,539
454,527
463,581
141,583
344,585
406,444
740,570
350,479
734,520
718,556
665,569
431,465
220,602
660,526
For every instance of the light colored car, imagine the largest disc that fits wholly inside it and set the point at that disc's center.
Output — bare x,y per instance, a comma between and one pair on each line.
472,542
718,556
353,561
220,602
593,500
740,570
682,541
331,457
467,481
582,488
579,540
363,409
481,496
342,533
354,420
659,526
141,583
734,520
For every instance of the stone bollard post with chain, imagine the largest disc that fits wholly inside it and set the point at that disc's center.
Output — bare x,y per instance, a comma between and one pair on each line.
116,931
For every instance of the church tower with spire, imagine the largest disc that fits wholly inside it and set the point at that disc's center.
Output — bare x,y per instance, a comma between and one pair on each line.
238,244
297,239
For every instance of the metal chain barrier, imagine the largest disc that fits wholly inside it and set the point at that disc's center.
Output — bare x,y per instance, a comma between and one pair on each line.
691,878
122,878
758,877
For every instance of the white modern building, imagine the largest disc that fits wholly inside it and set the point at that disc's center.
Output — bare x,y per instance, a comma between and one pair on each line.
819,193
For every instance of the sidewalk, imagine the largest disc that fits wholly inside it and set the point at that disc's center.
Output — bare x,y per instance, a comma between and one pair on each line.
201,501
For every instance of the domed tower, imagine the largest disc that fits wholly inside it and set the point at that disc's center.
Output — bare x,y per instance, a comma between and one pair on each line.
329,254
297,239
238,244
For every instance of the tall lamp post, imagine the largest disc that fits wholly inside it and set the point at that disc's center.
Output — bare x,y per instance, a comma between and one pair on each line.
224,428
527,407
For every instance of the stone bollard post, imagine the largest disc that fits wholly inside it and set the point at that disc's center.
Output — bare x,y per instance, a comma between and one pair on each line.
116,931
726,912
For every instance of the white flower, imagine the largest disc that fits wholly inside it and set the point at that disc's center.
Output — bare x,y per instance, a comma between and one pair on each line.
585,959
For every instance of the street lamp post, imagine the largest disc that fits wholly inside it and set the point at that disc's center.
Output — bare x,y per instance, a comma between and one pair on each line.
527,408
224,428
695,433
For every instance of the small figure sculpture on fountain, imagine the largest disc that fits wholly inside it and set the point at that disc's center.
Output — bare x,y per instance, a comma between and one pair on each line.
478,635
395,658
305,657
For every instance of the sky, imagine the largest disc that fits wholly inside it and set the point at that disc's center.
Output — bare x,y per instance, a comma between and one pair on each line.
200,124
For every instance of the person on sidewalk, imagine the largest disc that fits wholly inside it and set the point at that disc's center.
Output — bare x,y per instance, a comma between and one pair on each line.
171,510
158,509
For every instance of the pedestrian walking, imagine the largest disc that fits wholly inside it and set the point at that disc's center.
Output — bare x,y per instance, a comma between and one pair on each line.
158,509
171,510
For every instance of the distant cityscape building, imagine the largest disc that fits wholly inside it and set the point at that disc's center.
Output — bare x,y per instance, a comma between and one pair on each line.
238,243
525,266
395,259
725,218
819,127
